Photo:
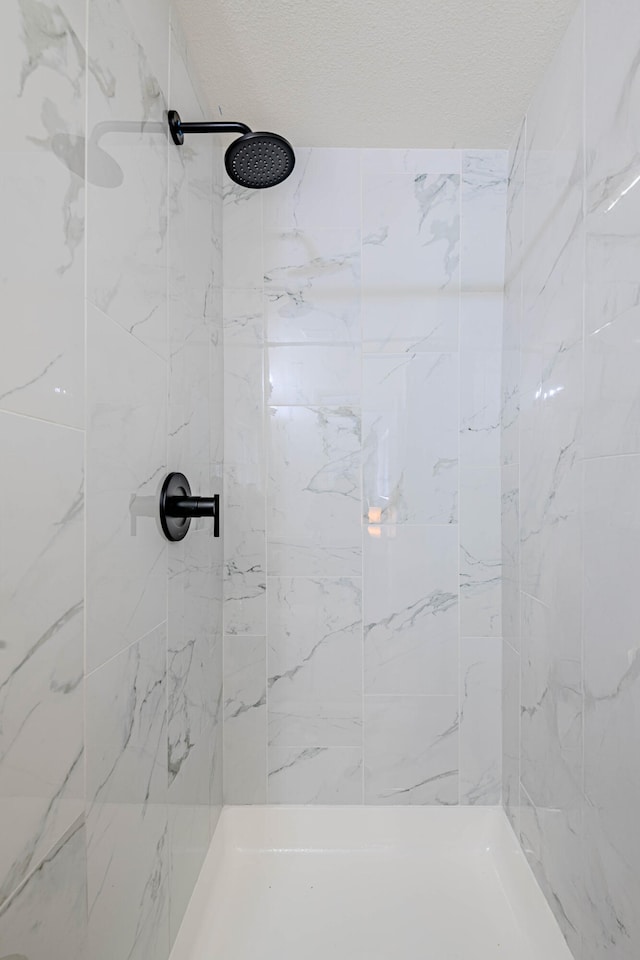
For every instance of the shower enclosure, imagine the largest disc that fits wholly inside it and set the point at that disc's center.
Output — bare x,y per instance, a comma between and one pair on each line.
402,385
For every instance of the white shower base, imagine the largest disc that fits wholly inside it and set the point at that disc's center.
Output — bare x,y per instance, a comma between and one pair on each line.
363,883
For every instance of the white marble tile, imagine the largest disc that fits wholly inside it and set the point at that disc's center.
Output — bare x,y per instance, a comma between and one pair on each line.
550,475
126,795
243,312
126,449
410,470
611,672
612,357
127,725
413,161
551,734
322,193
554,164
42,75
321,375
193,242
150,21
188,839
191,683
510,375
127,245
552,840
510,710
480,380
411,750
242,231
612,406
510,553
411,258
216,391
47,918
245,551
410,610
41,639
244,407
131,887
313,501
315,775
189,409
515,204
314,662
195,200
480,552
484,194
312,286
245,719
480,720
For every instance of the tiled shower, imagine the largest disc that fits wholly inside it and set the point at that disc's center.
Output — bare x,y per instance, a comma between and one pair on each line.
412,377
363,324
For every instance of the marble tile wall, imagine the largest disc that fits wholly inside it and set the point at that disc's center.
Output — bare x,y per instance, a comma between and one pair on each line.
363,327
110,374
570,480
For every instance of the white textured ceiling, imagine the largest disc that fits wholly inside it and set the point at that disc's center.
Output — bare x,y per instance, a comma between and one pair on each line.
376,73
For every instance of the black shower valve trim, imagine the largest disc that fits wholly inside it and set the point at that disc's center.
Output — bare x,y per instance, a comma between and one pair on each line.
178,508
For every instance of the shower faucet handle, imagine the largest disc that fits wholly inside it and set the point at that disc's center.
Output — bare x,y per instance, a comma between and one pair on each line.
178,508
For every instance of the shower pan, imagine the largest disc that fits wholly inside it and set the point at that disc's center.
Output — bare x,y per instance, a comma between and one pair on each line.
282,883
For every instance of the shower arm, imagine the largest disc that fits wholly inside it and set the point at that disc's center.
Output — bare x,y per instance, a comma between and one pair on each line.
178,128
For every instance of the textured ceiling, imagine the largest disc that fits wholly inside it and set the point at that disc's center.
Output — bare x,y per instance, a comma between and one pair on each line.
377,73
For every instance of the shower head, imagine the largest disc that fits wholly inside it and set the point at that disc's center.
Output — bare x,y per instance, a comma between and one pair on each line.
254,160
259,160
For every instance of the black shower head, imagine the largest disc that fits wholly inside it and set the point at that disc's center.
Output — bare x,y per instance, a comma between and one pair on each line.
255,160
259,160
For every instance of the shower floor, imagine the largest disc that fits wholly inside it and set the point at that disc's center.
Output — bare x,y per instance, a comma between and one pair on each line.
356,883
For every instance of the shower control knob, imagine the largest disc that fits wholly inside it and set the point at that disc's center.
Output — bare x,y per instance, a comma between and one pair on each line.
178,507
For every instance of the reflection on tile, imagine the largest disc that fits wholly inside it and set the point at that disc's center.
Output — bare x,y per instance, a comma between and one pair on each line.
41,639
411,750
315,775
245,720
312,287
313,503
324,375
480,720
315,662
126,554
411,610
480,546
410,453
47,918
42,76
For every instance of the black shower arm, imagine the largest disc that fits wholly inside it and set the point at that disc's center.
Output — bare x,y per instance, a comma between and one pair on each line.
214,127
178,128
